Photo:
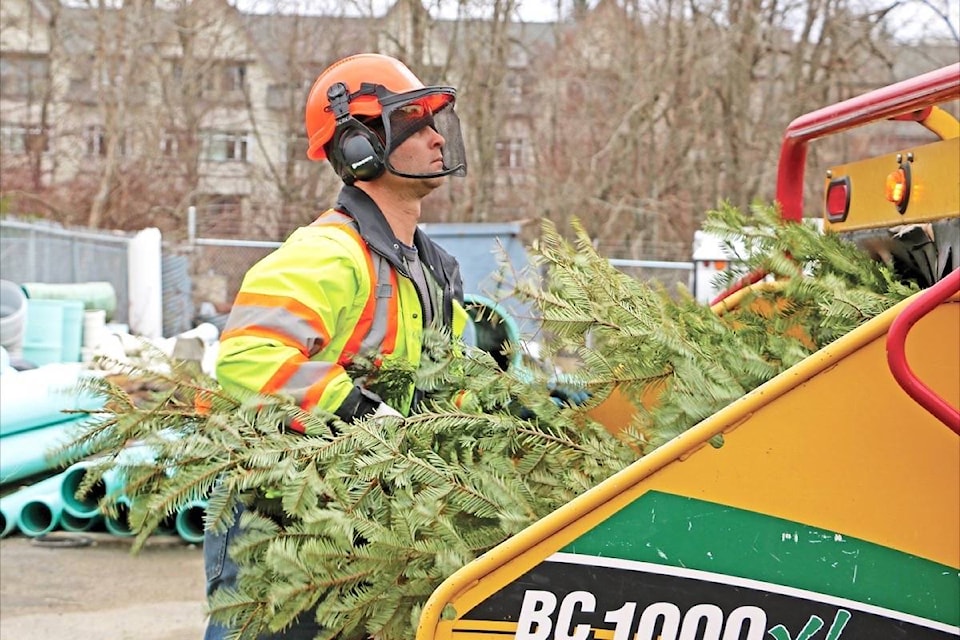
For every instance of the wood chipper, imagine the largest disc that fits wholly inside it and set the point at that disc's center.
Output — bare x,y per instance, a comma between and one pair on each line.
832,510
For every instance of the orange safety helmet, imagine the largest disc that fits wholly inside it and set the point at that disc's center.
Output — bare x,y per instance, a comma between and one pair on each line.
352,71
368,92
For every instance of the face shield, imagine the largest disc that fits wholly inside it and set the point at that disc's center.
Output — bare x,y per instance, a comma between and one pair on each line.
407,113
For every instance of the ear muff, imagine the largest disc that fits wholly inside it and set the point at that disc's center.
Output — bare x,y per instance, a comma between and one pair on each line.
356,151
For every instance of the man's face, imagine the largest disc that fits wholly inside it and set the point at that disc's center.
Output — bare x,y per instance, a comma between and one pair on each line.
421,154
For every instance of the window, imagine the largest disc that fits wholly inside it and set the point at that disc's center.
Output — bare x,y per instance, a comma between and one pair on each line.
96,139
514,85
510,152
23,77
224,146
169,145
226,78
223,206
233,77
80,87
19,140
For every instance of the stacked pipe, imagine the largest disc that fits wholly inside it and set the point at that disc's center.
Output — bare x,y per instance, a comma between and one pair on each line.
39,495
33,423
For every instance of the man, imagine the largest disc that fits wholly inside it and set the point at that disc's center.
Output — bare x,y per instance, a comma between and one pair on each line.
362,279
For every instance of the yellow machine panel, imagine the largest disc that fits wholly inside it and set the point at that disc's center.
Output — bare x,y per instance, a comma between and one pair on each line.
834,501
934,190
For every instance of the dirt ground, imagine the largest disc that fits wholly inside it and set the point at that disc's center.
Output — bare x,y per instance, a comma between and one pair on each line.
83,586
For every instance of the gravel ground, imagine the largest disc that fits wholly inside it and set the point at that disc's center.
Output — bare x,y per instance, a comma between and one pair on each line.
88,586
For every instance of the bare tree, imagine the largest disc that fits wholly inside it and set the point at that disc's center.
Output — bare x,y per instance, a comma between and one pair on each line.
660,109
635,115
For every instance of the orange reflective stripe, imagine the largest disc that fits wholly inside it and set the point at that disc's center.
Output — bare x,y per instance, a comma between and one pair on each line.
280,377
360,330
312,397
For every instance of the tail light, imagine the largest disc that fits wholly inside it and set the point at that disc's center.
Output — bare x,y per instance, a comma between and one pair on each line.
838,199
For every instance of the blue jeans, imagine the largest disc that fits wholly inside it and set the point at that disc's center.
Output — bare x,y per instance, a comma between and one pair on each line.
221,573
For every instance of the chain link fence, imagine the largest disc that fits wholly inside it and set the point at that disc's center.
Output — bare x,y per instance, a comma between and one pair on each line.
44,252
218,270
201,277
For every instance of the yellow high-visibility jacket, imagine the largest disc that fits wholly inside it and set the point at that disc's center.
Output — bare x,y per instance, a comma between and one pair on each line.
335,289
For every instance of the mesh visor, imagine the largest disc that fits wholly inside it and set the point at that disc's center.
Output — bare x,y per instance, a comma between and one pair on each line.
408,113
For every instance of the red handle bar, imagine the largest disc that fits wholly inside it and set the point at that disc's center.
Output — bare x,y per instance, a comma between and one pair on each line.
887,102
897,356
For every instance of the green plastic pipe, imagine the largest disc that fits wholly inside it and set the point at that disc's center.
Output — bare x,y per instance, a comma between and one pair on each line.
73,523
511,328
86,507
189,521
11,504
39,397
28,453
40,514
111,484
120,525
167,526
10,510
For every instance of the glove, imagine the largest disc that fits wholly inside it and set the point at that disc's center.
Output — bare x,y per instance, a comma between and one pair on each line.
566,395
359,404
386,411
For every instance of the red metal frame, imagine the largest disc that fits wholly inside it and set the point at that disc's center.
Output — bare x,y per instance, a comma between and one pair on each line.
888,102
744,282
926,302
907,100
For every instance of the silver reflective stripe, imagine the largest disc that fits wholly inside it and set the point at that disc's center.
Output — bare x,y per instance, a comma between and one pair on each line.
305,376
380,280
277,320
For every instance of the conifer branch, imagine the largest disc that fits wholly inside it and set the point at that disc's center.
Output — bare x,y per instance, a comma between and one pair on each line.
360,524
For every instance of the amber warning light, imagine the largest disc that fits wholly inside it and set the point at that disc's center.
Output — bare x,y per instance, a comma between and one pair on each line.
838,199
898,187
